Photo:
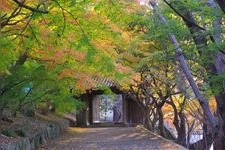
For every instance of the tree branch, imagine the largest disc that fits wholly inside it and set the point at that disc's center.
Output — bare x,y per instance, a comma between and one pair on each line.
183,17
5,20
75,19
30,8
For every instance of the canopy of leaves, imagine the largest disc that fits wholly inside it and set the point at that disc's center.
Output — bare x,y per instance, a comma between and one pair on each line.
49,47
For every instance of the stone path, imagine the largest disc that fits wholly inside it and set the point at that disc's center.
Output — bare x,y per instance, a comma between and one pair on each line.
117,138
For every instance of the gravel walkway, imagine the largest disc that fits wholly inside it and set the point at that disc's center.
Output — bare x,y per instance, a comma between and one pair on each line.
117,138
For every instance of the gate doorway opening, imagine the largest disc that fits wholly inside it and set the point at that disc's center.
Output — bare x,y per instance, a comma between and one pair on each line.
107,108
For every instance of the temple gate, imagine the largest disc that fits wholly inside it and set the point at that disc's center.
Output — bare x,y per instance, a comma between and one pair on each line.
116,109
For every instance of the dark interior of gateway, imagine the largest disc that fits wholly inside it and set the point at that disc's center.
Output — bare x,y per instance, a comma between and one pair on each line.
113,109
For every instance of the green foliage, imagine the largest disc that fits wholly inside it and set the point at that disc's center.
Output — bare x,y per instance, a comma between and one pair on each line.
111,9
7,54
88,37
119,76
217,81
66,103
8,132
21,132
106,90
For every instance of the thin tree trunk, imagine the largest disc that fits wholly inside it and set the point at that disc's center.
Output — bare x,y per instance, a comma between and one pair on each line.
179,123
221,4
219,143
203,144
147,119
215,68
180,57
154,119
1,113
182,129
161,122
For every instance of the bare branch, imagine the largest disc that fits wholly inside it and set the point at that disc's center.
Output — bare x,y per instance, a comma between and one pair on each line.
30,8
5,20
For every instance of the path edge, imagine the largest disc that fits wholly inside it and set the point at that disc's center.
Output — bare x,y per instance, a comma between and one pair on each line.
160,137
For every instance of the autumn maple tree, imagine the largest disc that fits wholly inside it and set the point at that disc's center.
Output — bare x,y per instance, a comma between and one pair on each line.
161,53
68,43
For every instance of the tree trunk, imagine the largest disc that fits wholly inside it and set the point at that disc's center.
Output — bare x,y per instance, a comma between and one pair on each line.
161,122
206,142
219,143
182,130
179,123
221,4
215,68
147,119
154,118
1,114
180,57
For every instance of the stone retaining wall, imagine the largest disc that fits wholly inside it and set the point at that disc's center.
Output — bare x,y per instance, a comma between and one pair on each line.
32,141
